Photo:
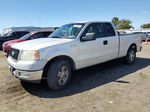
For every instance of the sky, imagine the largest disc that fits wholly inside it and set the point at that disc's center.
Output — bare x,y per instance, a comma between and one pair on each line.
47,13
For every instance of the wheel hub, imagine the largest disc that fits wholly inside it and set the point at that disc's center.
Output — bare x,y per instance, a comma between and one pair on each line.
132,56
63,75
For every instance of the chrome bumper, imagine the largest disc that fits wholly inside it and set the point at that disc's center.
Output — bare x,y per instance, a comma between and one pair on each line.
30,76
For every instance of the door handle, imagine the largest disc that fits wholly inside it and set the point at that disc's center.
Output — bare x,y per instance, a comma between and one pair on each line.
105,42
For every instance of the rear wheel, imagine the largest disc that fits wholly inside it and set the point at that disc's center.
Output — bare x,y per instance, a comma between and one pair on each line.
131,55
58,75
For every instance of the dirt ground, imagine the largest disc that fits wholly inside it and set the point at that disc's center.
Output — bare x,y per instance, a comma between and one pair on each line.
108,87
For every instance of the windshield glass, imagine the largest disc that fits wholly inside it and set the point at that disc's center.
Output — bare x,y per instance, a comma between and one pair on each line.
69,31
25,36
8,34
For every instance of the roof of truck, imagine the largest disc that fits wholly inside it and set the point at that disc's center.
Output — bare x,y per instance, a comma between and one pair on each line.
92,22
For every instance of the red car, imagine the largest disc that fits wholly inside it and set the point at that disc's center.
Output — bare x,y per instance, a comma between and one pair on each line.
29,36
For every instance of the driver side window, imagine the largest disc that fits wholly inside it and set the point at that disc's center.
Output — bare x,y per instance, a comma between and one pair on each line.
94,28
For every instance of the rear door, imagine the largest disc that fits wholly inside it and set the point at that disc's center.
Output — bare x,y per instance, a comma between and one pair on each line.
108,43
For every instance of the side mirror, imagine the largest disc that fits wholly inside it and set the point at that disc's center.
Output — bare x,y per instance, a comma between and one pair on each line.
88,37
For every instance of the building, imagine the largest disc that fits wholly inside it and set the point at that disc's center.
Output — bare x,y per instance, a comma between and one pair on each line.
27,28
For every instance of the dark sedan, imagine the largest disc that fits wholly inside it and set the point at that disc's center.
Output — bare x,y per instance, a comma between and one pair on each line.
12,36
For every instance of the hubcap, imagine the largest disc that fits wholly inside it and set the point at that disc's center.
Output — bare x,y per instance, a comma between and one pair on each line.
131,56
63,75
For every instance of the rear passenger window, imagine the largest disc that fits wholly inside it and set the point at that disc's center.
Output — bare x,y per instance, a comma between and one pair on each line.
35,36
46,34
108,30
41,35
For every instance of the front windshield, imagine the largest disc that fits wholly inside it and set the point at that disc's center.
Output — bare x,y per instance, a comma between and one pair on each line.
25,36
8,34
69,31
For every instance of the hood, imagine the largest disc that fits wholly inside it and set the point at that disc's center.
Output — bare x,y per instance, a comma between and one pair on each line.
37,44
12,41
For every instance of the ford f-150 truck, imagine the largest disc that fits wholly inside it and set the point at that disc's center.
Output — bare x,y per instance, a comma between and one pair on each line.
71,47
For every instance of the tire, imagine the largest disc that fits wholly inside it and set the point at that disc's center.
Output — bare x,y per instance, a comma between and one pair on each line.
131,55
58,75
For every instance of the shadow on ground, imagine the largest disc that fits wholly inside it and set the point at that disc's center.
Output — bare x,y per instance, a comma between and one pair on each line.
89,78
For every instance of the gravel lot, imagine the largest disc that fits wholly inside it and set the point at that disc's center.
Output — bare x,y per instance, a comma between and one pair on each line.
108,87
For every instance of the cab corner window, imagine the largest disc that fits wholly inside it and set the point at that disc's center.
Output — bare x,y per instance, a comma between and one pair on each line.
108,30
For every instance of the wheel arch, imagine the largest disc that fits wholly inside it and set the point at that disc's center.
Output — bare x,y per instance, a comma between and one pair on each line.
60,57
134,46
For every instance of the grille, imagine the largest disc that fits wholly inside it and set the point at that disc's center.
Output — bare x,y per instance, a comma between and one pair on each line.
14,53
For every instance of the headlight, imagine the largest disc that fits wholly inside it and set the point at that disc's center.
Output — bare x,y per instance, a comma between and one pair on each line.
29,55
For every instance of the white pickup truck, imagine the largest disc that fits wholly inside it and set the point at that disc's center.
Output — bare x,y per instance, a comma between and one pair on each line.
71,47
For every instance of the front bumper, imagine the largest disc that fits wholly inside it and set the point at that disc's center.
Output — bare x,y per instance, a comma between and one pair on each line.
30,76
26,65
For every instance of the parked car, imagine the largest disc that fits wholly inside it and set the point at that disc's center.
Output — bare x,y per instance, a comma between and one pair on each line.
142,34
71,47
147,38
148,34
11,36
121,32
29,36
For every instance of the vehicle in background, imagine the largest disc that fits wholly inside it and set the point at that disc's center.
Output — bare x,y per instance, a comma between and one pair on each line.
142,34
121,32
148,33
148,36
11,36
71,47
29,36
3,35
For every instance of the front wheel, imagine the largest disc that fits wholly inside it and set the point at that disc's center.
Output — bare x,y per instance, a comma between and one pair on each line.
58,75
131,55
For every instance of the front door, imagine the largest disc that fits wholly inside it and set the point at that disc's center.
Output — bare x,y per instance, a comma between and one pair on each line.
104,48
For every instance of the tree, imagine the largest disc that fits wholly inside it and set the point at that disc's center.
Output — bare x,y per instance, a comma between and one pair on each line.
115,20
145,25
122,24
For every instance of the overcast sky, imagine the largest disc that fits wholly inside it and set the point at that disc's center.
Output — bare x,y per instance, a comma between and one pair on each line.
58,12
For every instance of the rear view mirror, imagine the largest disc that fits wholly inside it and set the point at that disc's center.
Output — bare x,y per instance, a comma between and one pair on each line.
88,37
